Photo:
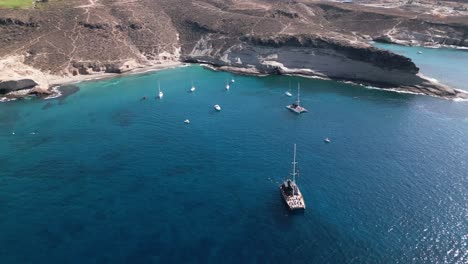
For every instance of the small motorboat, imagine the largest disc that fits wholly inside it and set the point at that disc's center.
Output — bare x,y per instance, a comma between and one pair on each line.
327,140
288,93
227,87
193,88
217,107
186,121
419,52
160,94
232,80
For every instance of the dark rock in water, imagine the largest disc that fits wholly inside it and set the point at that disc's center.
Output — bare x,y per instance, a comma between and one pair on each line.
66,91
47,106
11,86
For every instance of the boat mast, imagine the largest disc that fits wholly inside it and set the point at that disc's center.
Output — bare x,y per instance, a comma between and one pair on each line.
298,103
294,170
159,86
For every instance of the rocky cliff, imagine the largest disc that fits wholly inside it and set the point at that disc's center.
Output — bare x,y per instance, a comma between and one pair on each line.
61,40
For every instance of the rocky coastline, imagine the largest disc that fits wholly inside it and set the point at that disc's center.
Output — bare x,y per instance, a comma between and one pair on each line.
317,39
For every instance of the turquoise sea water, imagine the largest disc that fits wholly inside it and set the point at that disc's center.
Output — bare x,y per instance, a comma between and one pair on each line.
449,66
102,177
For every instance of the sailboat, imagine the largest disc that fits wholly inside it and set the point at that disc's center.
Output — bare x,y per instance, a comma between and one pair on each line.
193,88
290,192
227,85
296,107
160,94
232,80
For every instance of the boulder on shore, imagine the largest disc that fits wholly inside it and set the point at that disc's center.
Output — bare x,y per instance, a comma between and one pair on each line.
11,86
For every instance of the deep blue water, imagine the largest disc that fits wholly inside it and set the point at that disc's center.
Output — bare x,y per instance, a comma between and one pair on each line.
107,178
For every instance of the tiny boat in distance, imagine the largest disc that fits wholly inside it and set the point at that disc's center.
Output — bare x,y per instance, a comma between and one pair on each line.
160,94
296,107
186,121
217,107
193,88
232,80
227,86
288,92
419,52
327,140
290,192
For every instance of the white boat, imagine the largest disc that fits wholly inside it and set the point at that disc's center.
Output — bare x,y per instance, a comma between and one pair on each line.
296,107
232,80
217,107
327,140
288,92
290,191
227,85
160,94
419,52
186,121
193,88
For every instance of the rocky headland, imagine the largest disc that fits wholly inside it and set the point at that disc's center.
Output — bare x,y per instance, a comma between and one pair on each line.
58,42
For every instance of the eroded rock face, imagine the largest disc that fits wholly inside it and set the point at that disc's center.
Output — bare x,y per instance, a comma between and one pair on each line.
11,86
322,39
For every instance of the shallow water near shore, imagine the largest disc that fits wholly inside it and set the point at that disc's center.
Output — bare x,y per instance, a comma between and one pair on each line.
448,66
103,176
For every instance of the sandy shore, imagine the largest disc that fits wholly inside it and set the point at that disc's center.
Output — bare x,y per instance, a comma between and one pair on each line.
13,68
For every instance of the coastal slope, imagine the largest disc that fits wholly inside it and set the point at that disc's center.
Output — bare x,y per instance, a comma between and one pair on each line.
69,40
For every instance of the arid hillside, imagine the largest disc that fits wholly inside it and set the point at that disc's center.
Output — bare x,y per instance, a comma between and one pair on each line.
320,38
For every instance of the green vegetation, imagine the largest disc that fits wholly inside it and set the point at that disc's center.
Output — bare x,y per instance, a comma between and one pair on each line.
15,3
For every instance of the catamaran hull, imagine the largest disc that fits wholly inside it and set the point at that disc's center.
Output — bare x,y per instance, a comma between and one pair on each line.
291,205
296,110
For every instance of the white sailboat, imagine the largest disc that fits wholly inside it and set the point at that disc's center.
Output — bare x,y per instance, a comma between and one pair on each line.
227,85
290,191
232,80
296,107
160,94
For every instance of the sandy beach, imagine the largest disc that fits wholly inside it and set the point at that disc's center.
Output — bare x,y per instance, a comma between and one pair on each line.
14,68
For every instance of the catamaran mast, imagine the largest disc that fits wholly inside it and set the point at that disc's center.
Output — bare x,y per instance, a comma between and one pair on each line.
294,169
298,100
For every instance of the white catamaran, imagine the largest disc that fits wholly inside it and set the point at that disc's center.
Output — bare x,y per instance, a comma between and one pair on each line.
296,107
290,191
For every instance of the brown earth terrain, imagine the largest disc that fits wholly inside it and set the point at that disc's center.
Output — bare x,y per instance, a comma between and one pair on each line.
59,41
